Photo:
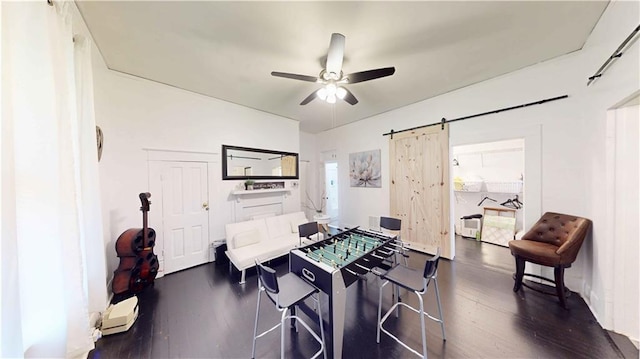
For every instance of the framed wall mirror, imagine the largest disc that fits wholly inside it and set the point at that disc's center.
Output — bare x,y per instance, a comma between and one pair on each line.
241,163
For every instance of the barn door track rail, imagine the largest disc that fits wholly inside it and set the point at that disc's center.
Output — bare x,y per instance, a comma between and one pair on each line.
616,54
444,120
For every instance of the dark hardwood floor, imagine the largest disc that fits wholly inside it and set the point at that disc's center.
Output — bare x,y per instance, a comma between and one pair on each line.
203,312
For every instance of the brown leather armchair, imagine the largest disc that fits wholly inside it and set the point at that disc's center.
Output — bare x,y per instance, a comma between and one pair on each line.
554,241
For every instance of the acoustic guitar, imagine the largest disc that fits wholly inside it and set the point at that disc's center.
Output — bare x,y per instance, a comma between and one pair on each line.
138,265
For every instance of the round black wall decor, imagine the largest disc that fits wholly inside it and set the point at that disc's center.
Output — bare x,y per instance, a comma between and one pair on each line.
99,140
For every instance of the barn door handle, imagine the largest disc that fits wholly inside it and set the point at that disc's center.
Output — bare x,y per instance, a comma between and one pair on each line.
205,205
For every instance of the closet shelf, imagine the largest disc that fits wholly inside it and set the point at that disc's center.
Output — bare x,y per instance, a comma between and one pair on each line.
504,187
467,186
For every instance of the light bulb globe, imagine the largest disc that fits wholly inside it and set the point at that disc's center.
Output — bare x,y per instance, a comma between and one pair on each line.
331,89
322,94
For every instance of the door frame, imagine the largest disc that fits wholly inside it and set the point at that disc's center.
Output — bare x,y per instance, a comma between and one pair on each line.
155,159
328,156
616,180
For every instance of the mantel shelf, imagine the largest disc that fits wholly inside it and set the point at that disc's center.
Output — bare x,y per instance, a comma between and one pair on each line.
243,192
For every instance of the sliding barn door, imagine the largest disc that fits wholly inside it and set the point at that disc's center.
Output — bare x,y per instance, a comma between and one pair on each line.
420,188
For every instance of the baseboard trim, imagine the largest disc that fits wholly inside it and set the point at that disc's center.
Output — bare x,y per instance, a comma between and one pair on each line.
623,345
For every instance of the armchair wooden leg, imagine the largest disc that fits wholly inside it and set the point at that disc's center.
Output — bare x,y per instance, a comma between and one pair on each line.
559,276
519,273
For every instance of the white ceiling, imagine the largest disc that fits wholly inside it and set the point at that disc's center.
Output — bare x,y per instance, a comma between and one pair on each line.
227,50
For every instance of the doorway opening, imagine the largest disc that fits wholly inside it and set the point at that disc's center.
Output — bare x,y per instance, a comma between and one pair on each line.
331,191
489,201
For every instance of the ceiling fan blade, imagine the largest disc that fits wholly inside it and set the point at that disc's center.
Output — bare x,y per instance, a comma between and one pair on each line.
294,76
309,98
349,98
370,74
335,54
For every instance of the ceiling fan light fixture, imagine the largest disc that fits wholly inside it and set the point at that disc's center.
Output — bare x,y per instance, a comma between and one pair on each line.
332,76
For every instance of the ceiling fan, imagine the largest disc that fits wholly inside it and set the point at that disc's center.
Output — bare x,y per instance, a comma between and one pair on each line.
333,78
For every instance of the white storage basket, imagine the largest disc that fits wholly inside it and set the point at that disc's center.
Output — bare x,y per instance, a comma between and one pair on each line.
504,187
472,186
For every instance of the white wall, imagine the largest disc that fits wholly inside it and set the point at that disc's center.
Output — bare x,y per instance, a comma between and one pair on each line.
571,136
621,79
135,114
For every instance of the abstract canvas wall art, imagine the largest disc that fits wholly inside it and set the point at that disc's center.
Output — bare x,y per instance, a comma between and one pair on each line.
364,169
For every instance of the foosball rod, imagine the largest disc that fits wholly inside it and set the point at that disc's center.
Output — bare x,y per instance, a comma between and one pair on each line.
390,249
363,267
403,247
393,243
350,271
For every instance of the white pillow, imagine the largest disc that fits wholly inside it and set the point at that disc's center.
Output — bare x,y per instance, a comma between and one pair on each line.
295,223
246,238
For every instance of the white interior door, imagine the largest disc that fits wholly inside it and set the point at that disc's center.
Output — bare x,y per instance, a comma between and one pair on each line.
331,189
185,214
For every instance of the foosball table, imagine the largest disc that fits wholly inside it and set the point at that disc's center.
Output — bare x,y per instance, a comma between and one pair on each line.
334,264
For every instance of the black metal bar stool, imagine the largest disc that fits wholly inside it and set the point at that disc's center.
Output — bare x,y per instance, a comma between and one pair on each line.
286,292
417,282
395,225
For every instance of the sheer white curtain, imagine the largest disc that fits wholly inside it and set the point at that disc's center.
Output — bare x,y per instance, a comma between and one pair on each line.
48,175
94,261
